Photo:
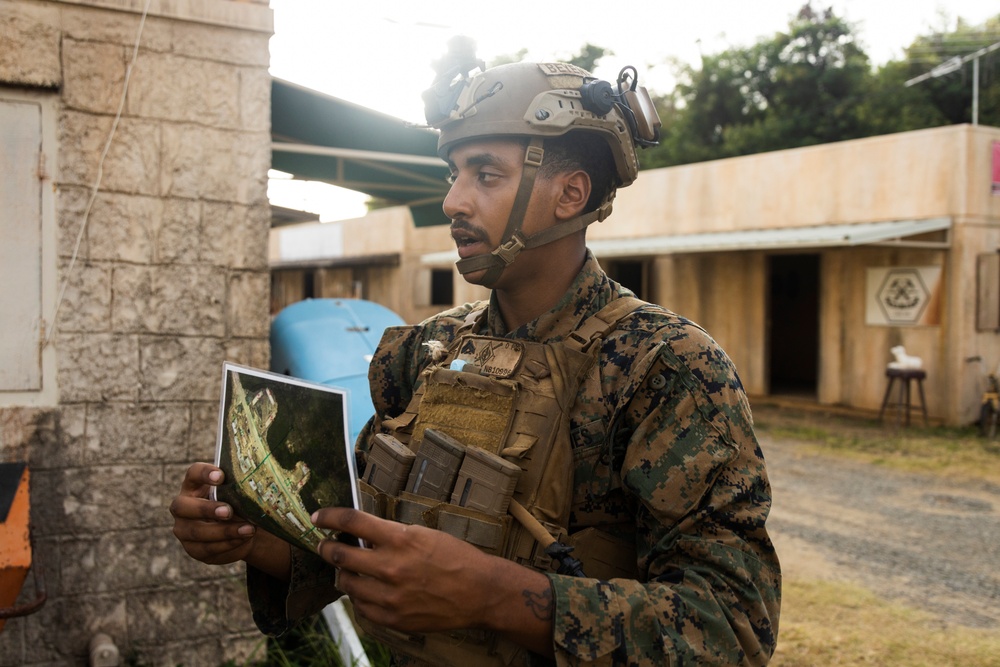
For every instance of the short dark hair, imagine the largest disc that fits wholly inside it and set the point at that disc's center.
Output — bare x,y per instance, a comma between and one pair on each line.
580,149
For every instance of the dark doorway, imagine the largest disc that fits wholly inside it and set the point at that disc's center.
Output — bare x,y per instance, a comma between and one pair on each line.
442,287
793,317
630,273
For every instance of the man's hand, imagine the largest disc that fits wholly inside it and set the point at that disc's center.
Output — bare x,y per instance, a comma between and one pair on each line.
212,533
415,579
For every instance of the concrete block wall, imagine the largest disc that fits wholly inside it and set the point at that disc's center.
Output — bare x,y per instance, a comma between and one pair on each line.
171,279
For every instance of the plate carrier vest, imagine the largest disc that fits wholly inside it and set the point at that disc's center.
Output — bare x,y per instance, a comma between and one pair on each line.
514,403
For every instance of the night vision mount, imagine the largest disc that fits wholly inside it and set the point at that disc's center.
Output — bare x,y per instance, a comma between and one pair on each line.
453,69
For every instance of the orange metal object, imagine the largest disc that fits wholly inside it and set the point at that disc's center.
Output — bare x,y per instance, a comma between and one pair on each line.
15,540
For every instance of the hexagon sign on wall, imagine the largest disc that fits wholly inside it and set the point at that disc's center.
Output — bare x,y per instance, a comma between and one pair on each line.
903,295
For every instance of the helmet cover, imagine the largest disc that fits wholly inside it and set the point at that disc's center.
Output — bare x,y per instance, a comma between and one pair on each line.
537,100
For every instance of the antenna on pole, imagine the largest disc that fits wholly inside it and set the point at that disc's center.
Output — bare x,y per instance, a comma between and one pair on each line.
954,64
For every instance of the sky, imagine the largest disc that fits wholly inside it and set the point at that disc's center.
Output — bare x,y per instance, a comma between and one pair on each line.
379,53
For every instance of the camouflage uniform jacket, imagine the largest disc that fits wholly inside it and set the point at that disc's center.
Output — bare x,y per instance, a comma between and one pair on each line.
665,454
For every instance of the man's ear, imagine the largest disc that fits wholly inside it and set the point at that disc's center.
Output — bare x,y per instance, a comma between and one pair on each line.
574,194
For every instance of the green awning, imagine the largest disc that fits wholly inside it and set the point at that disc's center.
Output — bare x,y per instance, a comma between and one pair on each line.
322,138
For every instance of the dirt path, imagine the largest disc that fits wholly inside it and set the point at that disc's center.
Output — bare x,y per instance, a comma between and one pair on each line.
931,543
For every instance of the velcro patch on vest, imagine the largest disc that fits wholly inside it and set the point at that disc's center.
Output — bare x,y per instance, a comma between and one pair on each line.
498,357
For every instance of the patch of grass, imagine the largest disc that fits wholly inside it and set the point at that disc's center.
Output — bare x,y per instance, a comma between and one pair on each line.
952,452
825,624
310,644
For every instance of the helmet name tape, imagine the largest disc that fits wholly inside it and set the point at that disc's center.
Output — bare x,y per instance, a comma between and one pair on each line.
558,69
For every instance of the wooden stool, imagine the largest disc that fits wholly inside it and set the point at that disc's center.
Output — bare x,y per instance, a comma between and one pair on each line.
904,375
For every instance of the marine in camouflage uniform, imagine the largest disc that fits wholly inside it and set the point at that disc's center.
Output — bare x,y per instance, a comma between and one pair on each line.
665,454
660,430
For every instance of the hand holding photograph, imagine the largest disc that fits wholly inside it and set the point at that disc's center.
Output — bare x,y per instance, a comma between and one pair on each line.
285,452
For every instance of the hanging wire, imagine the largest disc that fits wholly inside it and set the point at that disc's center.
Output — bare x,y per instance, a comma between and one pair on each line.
97,180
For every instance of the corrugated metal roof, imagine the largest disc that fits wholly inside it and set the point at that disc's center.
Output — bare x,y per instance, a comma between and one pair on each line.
819,236
319,137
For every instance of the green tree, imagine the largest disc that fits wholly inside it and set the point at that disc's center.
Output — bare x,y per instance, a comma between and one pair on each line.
589,56
951,94
890,106
795,88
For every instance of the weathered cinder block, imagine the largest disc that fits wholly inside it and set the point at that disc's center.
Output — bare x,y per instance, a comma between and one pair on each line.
176,239
120,227
235,235
87,501
118,560
181,368
191,610
85,24
132,228
171,298
198,162
87,299
236,48
183,159
30,53
95,75
60,632
240,615
206,652
176,88
71,201
12,652
253,352
47,516
133,161
204,429
247,304
129,432
97,367
39,435
73,436
255,100
66,445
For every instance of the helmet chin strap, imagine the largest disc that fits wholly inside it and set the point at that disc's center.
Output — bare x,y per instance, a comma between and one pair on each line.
513,241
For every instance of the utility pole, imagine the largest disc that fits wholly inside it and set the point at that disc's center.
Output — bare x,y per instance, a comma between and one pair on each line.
954,64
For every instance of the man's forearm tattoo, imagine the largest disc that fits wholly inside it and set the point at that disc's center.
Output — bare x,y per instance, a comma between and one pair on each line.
540,604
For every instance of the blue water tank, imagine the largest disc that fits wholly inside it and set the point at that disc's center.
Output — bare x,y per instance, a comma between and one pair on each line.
331,341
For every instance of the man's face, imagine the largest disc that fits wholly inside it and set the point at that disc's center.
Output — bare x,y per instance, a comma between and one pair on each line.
485,177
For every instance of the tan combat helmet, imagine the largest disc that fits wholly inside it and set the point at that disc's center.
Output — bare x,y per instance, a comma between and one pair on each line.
536,101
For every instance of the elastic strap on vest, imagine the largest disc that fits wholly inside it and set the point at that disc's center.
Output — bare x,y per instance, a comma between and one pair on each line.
596,327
